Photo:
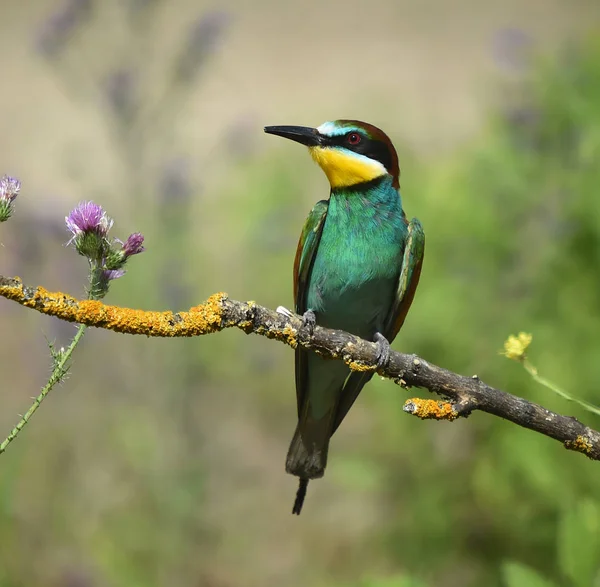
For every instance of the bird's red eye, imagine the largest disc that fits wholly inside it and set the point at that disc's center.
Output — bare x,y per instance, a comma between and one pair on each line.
354,138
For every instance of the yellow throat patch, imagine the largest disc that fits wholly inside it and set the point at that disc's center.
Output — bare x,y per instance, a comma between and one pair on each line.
346,169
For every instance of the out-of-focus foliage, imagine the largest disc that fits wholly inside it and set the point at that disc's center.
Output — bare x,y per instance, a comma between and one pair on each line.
162,462
512,244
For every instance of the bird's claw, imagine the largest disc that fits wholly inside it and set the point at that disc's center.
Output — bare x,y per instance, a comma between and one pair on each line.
383,350
309,321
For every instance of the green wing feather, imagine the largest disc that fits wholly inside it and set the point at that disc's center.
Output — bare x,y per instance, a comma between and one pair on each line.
409,279
305,256
412,261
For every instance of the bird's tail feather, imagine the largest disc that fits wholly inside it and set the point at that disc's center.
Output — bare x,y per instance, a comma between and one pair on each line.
307,455
300,495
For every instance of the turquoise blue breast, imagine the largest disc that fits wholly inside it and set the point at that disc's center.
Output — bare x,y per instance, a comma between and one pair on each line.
355,273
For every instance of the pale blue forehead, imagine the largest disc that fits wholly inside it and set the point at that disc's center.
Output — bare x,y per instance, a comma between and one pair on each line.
334,129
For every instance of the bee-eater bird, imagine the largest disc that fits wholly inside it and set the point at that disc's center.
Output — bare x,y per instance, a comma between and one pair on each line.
357,267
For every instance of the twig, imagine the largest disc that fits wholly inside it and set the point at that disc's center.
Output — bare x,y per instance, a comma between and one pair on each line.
466,394
58,372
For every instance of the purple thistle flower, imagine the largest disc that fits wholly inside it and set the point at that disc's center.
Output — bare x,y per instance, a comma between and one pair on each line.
88,217
110,274
89,224
134,244
9,188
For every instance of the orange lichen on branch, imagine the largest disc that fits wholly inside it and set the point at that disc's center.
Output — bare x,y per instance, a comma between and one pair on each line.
580,444
289,335
429,409
360,366
208,316
12,288
202,319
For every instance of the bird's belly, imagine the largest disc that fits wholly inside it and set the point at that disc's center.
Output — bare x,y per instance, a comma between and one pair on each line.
342,299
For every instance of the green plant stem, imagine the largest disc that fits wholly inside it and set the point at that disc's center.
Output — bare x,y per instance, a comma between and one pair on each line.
58,372
552,387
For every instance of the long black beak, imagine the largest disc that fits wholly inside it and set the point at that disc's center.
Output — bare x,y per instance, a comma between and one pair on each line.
301,134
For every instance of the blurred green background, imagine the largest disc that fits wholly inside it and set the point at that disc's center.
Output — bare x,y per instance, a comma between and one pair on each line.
161,462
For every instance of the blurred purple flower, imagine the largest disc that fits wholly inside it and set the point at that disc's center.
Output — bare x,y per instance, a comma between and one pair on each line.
59,26
203,38
511,48
526,126
110,274
120,92
9,188
134,244
88,217
240,136
175,180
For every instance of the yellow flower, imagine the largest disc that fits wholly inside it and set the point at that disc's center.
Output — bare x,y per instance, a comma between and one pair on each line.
515,347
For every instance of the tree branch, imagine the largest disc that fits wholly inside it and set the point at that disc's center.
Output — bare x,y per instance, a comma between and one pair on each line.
466,394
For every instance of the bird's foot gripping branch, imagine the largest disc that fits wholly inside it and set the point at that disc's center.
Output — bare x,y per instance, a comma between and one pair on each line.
461,395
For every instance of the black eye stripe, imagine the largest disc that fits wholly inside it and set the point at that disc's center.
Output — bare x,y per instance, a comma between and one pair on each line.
369,147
